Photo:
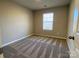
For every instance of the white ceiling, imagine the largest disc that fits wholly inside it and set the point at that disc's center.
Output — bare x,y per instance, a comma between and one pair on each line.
41,4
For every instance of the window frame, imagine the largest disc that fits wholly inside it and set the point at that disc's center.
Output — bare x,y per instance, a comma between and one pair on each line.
49,20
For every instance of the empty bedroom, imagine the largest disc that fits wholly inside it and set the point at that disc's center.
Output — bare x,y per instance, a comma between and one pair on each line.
39,28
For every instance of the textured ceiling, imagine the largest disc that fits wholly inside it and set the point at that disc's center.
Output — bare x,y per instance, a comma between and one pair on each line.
41,4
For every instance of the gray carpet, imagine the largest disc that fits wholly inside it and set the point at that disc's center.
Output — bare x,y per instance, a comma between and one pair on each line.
37,47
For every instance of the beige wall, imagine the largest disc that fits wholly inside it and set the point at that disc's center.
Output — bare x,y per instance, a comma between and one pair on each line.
16,21
60,22
0,37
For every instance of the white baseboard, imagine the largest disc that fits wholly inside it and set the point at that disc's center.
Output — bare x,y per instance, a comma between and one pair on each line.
28,36
52,36
16,40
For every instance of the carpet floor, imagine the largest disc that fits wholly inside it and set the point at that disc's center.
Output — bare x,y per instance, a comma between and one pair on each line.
37,47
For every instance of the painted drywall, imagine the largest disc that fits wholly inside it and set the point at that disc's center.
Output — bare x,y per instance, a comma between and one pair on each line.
16,21
0,33
0,37
60,22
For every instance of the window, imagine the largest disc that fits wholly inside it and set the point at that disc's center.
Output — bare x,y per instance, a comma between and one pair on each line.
48,21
